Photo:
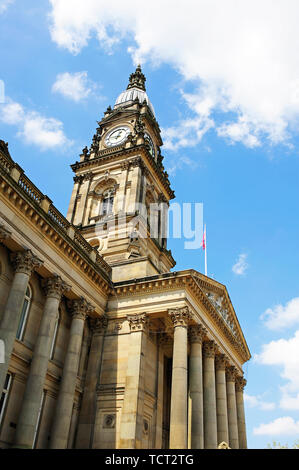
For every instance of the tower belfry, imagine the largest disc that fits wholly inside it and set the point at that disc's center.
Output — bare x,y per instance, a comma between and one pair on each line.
121,190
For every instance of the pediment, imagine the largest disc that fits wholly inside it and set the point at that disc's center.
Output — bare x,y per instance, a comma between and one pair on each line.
218,298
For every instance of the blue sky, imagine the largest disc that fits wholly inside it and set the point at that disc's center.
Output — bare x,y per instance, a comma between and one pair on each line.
224,82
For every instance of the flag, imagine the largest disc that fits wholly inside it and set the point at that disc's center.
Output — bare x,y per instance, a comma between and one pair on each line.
204,239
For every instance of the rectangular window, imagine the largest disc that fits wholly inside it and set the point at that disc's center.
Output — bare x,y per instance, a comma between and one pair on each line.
4,396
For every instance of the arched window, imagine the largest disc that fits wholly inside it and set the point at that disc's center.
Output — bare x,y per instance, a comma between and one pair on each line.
24,314
107,202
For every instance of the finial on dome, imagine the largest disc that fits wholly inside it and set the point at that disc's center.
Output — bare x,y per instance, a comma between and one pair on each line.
137,79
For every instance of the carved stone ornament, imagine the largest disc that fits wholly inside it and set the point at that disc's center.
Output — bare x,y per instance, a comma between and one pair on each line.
145,427
78,179
98,325
231,374
80,308
209,349
197,333
220,361
109,421
240,384
4,233
180,316
138,322
55,286
223,445
25,262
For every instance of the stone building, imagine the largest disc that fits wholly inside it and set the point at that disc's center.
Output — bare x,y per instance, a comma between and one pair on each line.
105,346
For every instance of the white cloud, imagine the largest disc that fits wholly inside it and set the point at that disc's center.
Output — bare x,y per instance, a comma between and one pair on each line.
33,128
242,57
257,402
241,265
179,163
240,131
4,4
282,316
280,426
284,353
74,86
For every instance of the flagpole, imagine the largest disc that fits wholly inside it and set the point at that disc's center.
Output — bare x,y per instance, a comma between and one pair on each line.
206,266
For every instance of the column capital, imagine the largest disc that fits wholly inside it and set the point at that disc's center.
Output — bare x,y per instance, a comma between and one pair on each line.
240,383
55,287
25,262
80,308
231,373
138,322
180,316
209,349
4,233
197,333
220,361
98,325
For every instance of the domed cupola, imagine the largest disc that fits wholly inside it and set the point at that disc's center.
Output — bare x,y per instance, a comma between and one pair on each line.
135,90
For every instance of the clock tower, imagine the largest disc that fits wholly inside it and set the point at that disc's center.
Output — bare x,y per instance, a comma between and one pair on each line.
121,190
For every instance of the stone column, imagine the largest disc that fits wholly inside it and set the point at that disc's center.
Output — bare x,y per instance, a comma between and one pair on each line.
240,384
221,400
196,335
159,397
88,407
131,428
209,395
232,408
63,413
178,436
24,263
54,288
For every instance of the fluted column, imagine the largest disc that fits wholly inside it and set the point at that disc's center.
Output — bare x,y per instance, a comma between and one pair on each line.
209,395
63,412
178,438
24,263
221,399
54,288
232,408
131,429
240,384
196,334
88,408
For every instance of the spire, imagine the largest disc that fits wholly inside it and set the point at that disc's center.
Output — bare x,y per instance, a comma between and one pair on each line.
137,79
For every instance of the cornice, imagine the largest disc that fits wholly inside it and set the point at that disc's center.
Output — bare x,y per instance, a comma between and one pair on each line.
108,155
53,226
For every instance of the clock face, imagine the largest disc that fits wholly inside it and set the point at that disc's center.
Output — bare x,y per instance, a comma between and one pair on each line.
117,136
152,147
